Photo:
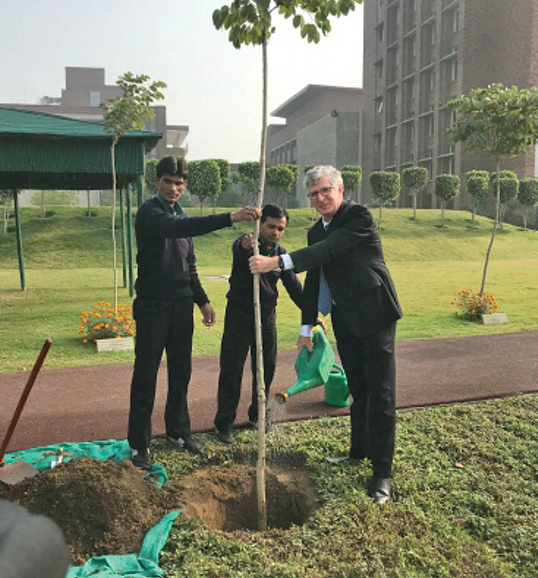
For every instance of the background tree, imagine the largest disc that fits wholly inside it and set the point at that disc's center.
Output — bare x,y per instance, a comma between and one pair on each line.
447,187
477,186
249,177
225,177
282,179
204,181
124,113
386,186
352,177
150,174
250,22
500,121
6,200
308,168
415,179
508,188
528,196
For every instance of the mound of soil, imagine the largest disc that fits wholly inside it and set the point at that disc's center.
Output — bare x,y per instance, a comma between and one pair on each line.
106,507
102,507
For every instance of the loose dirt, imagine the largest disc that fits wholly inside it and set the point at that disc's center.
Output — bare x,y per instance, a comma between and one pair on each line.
106,507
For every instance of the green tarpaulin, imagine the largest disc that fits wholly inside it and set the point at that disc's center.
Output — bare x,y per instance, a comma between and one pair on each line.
145,564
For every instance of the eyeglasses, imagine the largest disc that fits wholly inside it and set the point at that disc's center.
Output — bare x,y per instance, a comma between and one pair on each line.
324,192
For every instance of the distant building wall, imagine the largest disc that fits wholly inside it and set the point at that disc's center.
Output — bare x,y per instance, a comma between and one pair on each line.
419,54
331,140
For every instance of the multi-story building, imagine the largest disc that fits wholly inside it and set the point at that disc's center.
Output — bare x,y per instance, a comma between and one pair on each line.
419,54
85,89
323,126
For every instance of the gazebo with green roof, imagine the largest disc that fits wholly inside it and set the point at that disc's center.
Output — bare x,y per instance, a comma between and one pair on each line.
49,152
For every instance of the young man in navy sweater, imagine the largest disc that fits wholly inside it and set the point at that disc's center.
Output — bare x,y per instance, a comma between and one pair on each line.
238,337
167,287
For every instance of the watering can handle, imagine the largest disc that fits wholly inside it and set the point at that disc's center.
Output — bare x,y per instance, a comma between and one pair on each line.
24,397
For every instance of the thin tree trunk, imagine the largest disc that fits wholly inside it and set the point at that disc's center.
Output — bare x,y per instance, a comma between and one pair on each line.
415,206
442,214
42,204
474,213
497,210
260,469
89,204
113,219
380,206
525,218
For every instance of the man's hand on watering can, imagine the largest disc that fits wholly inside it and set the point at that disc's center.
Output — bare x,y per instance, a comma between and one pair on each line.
304,341
320,321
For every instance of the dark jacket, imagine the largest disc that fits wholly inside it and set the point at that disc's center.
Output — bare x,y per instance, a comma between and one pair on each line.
166,261
241,291
352,258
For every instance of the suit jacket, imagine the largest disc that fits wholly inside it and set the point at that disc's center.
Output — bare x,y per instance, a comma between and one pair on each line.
350,252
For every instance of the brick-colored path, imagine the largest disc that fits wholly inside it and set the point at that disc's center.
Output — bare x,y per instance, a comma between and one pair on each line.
91,403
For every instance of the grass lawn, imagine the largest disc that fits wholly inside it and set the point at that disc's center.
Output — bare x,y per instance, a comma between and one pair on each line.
68,270
465,478
465,502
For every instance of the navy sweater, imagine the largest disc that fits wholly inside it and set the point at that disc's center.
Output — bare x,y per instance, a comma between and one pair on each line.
241,292
166,260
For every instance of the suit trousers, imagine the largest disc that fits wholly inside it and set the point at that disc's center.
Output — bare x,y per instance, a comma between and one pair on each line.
237,340
371,374
161,324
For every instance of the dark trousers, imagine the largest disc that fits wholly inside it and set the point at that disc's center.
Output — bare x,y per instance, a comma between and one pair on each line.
237,340
371,374
161,325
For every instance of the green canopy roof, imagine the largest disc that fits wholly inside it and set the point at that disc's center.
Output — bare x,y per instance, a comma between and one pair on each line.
47,151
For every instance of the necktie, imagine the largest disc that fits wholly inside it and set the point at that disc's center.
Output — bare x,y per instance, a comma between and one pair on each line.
325,300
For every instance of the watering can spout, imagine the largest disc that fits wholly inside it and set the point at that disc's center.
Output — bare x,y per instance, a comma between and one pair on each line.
299,386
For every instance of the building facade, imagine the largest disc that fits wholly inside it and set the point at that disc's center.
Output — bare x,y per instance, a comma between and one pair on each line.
418,55
323,126
85,89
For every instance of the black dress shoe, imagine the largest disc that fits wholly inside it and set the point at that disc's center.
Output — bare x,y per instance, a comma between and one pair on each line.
380,490
141,459
225,436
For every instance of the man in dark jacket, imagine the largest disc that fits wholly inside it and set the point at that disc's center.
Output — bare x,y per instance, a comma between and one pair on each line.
166,288
348,276
239,336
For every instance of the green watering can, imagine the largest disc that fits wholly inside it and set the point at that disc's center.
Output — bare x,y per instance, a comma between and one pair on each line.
318,368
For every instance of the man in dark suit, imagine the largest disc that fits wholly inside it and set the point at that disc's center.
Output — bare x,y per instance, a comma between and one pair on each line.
346,274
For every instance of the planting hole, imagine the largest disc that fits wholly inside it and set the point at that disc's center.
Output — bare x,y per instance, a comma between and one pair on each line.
225,497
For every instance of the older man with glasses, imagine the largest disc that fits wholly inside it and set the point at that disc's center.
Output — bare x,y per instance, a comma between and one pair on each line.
347,275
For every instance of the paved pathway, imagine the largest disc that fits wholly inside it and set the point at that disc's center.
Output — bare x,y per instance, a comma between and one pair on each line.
91,403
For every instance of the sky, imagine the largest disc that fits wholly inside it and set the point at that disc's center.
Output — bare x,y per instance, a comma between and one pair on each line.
213,88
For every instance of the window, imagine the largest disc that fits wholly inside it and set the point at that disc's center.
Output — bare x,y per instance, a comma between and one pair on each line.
430,125
456,21
380,33
95,98
379,105
454,70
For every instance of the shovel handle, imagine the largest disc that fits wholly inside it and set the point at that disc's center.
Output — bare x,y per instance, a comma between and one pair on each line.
24,397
